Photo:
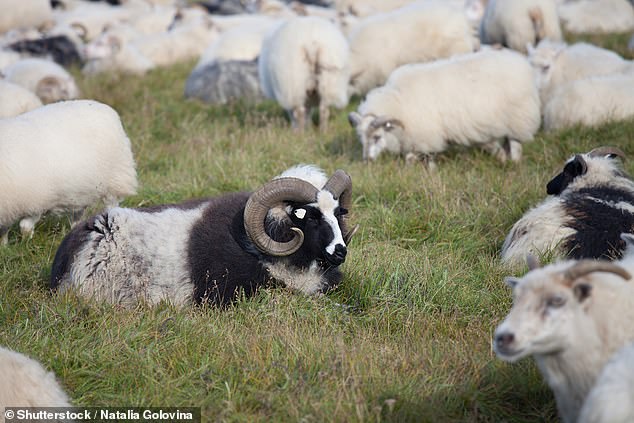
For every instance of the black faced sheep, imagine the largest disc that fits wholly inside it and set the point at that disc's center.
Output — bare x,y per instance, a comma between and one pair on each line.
291,231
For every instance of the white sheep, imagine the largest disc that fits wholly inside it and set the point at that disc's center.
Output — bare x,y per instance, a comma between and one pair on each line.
18,14
424,31
516,23
15,100
302,61
424,108
571,316
611,399
62,156
597,16
557,64
48,80
368,7
26,383
590,102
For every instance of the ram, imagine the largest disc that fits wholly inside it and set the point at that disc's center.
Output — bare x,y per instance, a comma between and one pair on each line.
571,316
64,156
292,231
591,204
416,113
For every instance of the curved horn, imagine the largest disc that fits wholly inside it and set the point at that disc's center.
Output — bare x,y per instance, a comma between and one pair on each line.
605,151
340,186
532,262
584,267
270,195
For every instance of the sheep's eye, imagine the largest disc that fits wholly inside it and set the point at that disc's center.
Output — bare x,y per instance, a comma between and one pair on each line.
555,301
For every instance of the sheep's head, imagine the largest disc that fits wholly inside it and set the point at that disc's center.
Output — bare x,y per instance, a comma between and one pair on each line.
547,303
542,58
377,134
599,165
290,214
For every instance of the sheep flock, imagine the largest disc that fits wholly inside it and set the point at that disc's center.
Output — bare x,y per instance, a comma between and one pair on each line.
421,83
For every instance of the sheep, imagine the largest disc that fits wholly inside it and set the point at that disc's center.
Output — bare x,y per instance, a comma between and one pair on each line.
571,316
612,396
62,156
48,80
424,31
516,23
363,8
590,102
292,231
423,108
305,61
19,14
225,81
591,204
597,16
557,64
15,100
60,48
25,383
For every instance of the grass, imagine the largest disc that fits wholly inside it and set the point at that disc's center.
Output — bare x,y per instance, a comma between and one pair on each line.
406,337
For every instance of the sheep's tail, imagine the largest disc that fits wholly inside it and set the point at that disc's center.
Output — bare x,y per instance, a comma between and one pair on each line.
537,18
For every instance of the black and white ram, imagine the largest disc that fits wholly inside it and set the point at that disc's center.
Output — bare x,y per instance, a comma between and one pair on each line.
591,204
292,231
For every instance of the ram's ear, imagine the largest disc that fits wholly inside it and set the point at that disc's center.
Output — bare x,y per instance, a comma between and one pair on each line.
354,119
572,169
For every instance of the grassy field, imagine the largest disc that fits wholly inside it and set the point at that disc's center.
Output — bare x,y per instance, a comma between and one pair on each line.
405,337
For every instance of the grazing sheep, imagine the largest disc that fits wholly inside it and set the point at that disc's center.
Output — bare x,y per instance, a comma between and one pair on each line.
557,64
63,156
612,396
590,102
20,14
422,32
305,61
571,316
15,100
516,23
597,16
225,81
48,80
291,231
591,204
25,383
423,108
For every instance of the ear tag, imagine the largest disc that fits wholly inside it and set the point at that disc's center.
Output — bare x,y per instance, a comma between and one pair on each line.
300,213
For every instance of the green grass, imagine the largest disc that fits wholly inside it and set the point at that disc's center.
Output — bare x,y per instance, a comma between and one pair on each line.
406,337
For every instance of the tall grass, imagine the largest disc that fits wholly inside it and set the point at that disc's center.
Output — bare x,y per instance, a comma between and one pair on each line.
405,337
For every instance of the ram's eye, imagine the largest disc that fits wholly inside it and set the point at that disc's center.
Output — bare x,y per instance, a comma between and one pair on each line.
555,301
341,211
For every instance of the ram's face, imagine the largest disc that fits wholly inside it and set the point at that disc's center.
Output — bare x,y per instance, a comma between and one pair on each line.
376,134
321,222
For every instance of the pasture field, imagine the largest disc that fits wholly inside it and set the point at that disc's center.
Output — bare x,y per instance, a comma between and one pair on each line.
405,337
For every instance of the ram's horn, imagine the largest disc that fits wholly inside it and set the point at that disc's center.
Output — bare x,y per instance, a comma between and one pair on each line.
584,267
276,193
340,186
605,151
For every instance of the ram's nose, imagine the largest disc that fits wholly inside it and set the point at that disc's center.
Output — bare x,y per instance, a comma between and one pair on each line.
338,256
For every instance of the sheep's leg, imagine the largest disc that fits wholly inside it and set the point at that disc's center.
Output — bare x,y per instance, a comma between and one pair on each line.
27,225
496,150
298,118
513,149
4,235
324,115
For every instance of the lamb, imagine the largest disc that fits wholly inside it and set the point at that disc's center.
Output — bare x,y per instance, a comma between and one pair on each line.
32,13
62,157
423,108
571,316
612,396
15,100
305,61
597,16
590,102
292,231
225,81
557,64
591,204
48,80
516,23
25,383
430,30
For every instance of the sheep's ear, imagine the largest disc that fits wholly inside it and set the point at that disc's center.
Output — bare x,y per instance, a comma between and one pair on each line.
582,291
572,169
354,119
511,281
